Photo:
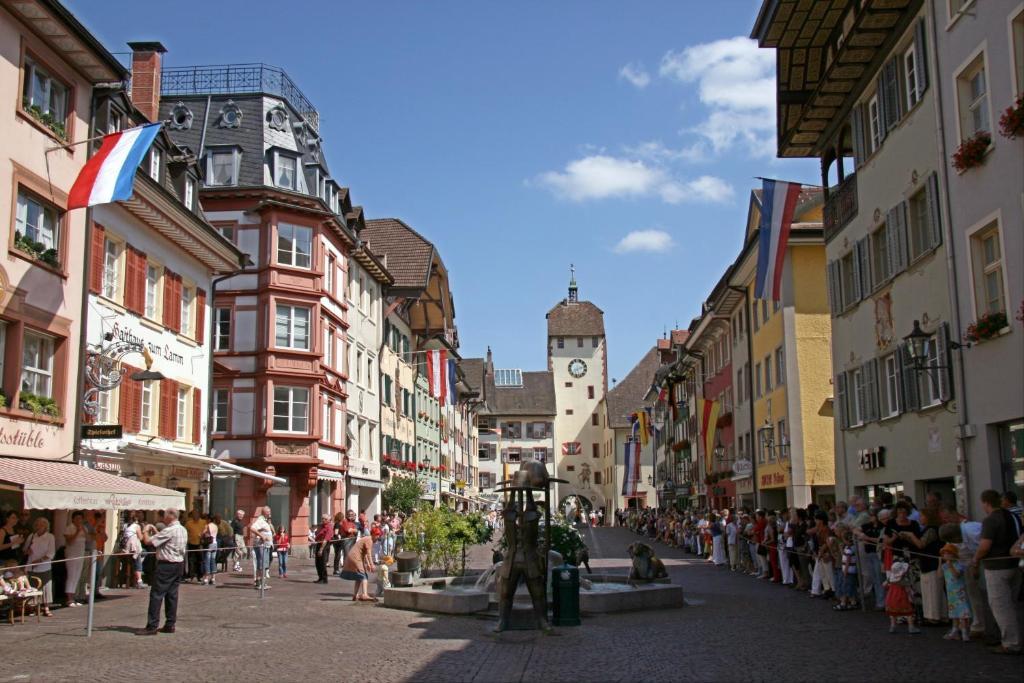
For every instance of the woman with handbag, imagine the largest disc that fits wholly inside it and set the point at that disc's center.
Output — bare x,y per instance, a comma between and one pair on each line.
208,541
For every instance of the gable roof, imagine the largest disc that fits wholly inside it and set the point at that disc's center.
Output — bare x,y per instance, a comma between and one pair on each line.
575,318
535,397
408,253
473,369
628,395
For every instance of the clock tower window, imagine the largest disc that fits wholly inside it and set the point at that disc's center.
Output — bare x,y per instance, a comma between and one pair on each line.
590,392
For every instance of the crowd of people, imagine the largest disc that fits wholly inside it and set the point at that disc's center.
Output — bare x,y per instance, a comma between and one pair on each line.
921,566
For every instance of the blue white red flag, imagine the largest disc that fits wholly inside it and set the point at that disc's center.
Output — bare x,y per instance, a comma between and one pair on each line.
109,175
777,204
438,374
631,460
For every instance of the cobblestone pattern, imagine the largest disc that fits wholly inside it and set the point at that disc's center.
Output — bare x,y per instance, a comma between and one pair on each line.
734,628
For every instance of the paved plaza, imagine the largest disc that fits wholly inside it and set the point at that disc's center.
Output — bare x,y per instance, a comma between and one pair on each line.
733,628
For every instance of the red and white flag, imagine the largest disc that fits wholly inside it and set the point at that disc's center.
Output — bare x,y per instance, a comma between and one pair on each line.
437,374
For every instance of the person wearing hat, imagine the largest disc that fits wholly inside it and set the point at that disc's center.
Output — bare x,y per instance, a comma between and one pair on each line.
958,604
897,597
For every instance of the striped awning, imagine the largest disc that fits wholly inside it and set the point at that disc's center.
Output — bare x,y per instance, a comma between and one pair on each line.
329,475
365,483
52,485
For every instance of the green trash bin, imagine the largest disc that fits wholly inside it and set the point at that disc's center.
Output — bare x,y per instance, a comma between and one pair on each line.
565,595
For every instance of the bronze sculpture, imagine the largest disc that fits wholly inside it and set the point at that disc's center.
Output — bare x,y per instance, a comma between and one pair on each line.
524,558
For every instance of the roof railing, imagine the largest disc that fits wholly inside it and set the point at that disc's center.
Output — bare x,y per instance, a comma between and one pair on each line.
237,79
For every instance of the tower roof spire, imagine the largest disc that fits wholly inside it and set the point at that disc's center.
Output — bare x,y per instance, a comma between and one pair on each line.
573,289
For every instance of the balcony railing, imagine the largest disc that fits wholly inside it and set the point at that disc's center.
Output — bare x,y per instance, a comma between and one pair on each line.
841,206
237,79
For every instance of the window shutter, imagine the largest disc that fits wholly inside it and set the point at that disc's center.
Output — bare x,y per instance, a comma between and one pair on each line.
169,299
833,288
946,359
168,409
197,415
870,374
858,284
891,91
920,58
840,400
863,253
857,127
911,386
140,281
124,399
99,234
200,315
883,130
934,212
896,235
135,419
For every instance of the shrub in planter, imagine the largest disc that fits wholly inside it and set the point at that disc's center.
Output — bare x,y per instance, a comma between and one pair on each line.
1011,123
986,327
971,152
39,405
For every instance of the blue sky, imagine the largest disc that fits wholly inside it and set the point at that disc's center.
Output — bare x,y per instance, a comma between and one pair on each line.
521,137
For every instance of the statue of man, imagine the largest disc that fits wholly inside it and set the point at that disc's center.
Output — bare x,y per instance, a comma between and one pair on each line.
523,559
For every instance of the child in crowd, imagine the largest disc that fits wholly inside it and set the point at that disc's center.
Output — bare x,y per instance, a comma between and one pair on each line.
959,605
383,575
848,583
898,601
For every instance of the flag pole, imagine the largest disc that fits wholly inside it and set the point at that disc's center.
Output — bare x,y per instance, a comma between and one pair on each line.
94,138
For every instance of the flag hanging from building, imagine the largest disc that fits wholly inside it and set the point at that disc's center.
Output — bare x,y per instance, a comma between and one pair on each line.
708,424
109,175
438,374
631,460
453,392
642,427
778,201
572,448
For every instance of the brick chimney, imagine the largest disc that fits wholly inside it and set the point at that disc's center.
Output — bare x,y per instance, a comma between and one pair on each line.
146,67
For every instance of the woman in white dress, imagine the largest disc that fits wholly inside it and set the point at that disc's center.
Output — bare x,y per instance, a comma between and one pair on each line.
41,548
74,554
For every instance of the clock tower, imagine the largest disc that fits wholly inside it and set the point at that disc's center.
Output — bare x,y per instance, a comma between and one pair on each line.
578,361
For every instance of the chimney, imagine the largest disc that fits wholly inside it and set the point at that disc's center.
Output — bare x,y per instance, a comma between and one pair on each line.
146,67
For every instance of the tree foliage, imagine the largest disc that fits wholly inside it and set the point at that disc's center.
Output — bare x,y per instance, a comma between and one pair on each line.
439,535
402,494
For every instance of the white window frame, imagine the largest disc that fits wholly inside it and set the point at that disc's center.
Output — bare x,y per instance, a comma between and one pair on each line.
1015,29
973,236
329,274
36,77
930,390
967,104
47,225
187,303
878,240
148,407
856,397
181,414
222,320
290,236
279,159
37,372
910,75
874,124
328,344
155,157
326,420
190,192
891,385
290,340
768,386
221,410
211,156
780,367
153,290
291,398
919,232
112,252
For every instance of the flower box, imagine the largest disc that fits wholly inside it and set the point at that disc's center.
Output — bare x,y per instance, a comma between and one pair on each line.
972,151
1011,123
986,327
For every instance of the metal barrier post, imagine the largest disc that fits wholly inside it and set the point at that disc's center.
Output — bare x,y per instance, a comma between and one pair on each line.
92,595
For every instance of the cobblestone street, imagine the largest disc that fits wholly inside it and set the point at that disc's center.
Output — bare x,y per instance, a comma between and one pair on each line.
733,628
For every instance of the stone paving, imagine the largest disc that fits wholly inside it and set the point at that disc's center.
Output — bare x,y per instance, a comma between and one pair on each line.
734,628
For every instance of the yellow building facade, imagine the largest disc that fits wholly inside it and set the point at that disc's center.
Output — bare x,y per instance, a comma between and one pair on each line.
787,378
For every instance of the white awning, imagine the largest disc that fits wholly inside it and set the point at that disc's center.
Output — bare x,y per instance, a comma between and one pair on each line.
365,483
329,475
52,485
150,450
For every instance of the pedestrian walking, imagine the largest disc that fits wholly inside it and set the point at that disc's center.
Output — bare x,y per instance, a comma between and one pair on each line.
282,544
170,544
322,544
208,542
238,530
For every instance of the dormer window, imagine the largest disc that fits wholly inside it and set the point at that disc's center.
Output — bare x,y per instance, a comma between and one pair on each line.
222,166
286,171
155,157
230,116
181,117
190,192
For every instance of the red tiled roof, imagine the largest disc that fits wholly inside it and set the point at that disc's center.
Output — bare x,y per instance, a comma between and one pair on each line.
408,253
580,318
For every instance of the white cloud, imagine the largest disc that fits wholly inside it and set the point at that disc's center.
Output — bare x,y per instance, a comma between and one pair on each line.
645,240
736,82
601,177
656,151
636,74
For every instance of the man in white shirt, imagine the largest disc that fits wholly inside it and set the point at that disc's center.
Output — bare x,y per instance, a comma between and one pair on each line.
261,539
170,544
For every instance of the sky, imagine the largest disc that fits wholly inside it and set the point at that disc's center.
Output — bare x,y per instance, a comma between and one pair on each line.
522,137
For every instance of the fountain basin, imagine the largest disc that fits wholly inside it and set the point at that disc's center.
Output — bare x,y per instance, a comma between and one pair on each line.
463,599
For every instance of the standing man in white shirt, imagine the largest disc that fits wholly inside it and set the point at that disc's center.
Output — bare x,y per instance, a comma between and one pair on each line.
170,545
261,538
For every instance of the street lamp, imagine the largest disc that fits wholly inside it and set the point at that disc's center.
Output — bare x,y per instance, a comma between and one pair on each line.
919,346
172,482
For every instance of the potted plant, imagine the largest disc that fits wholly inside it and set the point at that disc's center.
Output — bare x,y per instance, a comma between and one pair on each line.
39,405
3,399
985,327
972,151
1011,123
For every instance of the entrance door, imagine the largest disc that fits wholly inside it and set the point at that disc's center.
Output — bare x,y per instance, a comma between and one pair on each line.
279,500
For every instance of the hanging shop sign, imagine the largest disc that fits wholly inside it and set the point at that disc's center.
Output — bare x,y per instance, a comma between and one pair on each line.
102,431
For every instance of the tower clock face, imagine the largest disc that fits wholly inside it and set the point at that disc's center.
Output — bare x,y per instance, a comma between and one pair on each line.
577,368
